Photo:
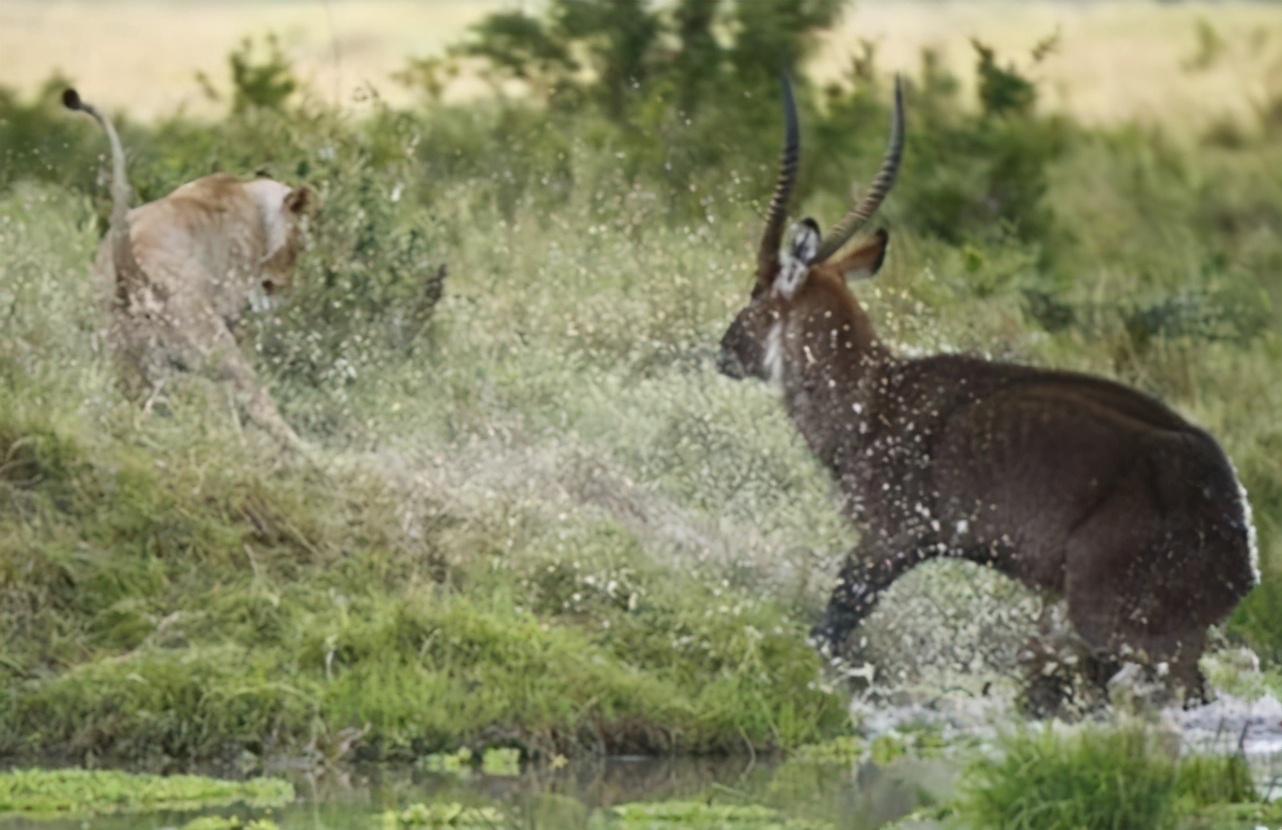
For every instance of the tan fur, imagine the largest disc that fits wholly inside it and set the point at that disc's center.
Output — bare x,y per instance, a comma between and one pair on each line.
183,268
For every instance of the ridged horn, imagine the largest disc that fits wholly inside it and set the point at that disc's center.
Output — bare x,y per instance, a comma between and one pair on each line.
768,254
852,221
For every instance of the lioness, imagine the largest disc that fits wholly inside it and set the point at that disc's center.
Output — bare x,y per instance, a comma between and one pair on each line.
184,267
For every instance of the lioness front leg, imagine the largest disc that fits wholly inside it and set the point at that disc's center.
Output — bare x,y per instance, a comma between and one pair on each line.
224,361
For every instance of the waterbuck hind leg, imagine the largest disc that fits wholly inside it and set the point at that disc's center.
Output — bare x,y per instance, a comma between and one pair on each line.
1147,576
1196,692
1185,671
868,570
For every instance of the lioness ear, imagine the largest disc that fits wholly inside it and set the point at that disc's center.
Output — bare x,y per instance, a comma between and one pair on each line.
795,259
865,261
300,199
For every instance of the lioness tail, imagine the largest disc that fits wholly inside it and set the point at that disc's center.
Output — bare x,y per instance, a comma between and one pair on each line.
120,191
126,267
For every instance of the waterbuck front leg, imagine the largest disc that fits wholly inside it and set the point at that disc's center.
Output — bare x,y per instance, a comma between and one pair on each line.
870,568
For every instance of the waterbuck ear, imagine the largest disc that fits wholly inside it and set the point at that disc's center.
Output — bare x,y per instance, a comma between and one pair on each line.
796,257
865,261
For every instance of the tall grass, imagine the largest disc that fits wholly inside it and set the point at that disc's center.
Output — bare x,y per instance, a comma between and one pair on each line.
1097,780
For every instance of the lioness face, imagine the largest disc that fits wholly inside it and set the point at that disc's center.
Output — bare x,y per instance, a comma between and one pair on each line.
286,211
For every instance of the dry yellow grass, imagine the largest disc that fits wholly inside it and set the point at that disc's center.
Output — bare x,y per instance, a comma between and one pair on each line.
143,55
1116,61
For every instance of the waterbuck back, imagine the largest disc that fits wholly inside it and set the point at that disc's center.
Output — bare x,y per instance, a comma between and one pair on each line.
1067,482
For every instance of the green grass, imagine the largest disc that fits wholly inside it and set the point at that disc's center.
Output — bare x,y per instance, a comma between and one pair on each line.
230,823
442,815
698,815
76,792
1121,779
198,617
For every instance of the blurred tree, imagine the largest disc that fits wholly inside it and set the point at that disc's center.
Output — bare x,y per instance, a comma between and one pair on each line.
1002,90
698,53
429,75
520,46
262,83
617,35
770,35
694,47
39,141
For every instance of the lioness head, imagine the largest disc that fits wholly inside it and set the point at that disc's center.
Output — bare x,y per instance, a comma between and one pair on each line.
285,212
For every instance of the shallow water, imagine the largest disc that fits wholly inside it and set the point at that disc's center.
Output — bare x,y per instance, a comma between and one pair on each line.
1229,724
856,796
859,795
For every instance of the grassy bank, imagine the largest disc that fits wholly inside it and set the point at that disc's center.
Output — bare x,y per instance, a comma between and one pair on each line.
174,590
534,515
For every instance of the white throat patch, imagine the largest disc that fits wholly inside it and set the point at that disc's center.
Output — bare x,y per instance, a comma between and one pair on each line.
791,274
773,361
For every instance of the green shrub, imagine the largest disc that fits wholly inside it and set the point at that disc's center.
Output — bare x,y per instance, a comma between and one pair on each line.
1111,779
265,83
41,141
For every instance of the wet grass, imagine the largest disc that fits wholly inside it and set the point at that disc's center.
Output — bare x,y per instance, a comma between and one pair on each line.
442,815
1124,779
230,823
77,792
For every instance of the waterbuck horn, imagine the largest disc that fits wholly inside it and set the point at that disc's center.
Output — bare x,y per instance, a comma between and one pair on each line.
768,254
851,222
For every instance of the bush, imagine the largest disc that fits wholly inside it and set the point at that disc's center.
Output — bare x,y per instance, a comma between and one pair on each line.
266,83
1096,780
41,141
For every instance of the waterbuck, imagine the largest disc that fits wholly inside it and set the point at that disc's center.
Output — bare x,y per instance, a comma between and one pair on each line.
1072,484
